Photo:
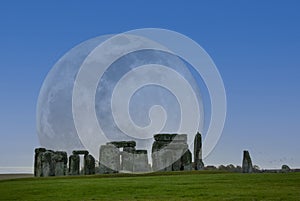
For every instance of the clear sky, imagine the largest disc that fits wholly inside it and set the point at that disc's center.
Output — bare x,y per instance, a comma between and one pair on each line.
255,45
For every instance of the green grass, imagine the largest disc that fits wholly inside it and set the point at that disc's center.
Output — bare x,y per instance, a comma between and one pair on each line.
157,186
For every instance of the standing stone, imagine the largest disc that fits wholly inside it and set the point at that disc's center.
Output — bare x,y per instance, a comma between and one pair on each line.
168,151
186,161
247,163
109,159
285,168
158,161
38,162
162,157
89,164
48,164
199,165
165,160
155,158
60,159
127,159
178,149
74,161
140,161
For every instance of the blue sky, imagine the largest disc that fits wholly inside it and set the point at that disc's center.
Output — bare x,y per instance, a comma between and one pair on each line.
255,45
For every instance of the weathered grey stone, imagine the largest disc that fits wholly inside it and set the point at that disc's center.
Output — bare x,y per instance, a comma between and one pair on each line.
161,157
176,166
167,152
177,150
60,159
80,152
89,164
127,160
74,161
140,158
109,159
60,169
285,168
171,137
247,163
129,149
167,159
121,144
158,145
180,138
155,160
38,162
48,164
163,160
164,137
199,165
186,161
180,148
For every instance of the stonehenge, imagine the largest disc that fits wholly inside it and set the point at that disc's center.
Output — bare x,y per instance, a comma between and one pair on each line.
170,152
247,163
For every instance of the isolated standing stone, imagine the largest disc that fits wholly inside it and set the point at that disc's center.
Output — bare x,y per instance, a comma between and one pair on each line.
247,163
285,168
199,165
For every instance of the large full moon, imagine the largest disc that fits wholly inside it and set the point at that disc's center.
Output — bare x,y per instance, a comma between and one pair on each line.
55,121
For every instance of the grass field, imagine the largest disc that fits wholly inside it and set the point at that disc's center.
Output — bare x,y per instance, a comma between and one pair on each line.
157,186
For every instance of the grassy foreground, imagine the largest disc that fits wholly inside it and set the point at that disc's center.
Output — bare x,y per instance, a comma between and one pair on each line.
157,186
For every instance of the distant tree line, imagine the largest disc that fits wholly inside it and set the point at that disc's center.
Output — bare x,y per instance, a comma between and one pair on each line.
230,168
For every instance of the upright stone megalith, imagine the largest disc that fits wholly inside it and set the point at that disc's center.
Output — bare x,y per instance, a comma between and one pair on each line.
109,159
60,159
140,161
74,161
38,172
247,163
186,160
89,164
127,159
170,152
199,165
48,164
